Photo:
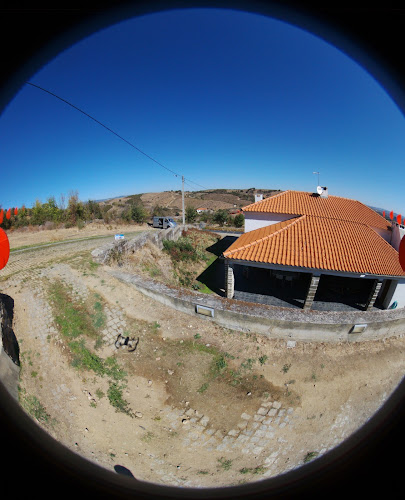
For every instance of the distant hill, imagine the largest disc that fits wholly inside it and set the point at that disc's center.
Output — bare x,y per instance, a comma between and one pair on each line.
171,201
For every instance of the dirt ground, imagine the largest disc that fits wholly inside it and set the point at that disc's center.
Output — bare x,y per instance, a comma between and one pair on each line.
34,236
184,368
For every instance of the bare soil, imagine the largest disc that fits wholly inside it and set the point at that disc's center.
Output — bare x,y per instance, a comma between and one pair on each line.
330,389
32,235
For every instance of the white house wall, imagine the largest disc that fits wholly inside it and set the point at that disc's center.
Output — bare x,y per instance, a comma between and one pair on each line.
398,233
256,220
399,295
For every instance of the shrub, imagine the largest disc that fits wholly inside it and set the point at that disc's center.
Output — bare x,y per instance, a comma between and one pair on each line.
138,214
239,220
191,214
221,216
180,250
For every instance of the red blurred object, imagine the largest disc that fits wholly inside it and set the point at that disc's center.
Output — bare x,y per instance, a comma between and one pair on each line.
401,252
16,211
391,215
399,218
1,216
8,214
383,213
4,249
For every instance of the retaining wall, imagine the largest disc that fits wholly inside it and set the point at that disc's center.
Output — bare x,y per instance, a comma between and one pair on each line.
273,322
103,253
9,349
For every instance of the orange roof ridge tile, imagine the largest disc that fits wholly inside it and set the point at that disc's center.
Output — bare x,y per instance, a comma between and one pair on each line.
317,243
265,199
333,207
282,225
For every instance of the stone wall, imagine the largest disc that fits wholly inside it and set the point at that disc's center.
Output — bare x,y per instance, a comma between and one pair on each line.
9,349
103,254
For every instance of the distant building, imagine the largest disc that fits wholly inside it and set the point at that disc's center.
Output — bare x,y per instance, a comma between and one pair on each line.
313,250
202,210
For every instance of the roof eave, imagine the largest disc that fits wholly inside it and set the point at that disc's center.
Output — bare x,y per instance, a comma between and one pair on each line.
316,271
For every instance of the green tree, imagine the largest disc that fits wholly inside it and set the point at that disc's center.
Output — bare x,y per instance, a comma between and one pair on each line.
239,220
75,209
51,211
191,214
37,214
221,216
138,214
92,210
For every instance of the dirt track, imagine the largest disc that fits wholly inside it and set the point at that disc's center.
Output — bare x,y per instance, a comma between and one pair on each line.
209,406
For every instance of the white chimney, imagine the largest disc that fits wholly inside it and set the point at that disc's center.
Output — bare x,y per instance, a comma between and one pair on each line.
258,197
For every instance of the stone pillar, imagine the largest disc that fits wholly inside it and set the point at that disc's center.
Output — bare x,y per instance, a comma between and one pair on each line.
375,290
311,292
229,281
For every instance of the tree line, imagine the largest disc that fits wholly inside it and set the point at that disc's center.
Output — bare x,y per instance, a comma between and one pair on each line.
75,212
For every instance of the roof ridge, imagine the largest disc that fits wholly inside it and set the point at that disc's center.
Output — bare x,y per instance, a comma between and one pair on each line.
325,217
268,236
265,199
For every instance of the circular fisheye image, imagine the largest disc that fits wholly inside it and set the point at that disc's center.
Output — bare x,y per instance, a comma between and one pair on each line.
200,279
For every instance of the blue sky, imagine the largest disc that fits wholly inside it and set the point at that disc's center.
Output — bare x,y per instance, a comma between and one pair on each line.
225,98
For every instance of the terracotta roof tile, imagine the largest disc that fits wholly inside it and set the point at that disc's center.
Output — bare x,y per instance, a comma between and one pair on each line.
332,207
319,243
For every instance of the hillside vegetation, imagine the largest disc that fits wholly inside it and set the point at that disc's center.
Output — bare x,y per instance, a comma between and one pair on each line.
180,263
221,207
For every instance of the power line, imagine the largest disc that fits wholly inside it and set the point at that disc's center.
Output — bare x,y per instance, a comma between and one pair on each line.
112,131
187,181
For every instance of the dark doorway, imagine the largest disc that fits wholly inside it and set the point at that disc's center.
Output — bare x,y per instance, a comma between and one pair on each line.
271,287
339,293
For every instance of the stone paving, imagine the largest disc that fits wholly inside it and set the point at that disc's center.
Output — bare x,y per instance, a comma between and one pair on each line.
116,324
256,435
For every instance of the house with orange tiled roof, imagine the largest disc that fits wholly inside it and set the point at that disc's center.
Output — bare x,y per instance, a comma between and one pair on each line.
312,250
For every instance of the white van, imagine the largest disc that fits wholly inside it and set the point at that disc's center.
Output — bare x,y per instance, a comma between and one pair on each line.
163,222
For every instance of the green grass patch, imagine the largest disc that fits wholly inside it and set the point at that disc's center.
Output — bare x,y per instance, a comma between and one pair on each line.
203,388
255,470
310,456
263,359
115,396
147,438
98,317
99,393
71,316
218,365
248,364
113,369
84,359
34,407
225,464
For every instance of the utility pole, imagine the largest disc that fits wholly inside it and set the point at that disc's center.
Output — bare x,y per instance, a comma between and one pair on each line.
182,199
